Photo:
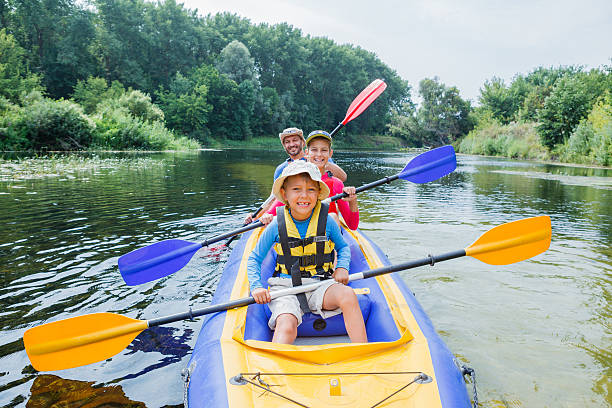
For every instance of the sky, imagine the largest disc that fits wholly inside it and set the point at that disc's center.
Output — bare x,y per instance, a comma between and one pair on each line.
462,42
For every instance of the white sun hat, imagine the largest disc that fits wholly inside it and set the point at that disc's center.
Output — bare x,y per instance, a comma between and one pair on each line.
299,167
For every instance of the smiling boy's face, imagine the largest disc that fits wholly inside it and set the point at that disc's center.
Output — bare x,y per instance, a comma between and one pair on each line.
319,152
301,193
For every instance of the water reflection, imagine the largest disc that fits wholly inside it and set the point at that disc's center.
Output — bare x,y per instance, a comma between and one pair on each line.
53,391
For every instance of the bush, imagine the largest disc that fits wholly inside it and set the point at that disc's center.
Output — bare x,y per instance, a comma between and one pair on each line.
117,129
516,140
53,125
591,142
10,137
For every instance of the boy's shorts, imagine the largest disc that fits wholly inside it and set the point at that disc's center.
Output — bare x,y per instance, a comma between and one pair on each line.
290,304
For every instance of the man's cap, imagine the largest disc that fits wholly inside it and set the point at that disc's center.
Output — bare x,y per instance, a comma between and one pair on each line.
299,167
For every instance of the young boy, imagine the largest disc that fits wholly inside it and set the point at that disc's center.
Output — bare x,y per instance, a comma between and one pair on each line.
304,238
319,151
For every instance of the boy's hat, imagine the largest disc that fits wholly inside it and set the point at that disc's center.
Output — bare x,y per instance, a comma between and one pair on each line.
318,133
290,132
299,167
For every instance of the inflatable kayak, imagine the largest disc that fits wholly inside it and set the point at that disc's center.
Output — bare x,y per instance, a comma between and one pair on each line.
404,364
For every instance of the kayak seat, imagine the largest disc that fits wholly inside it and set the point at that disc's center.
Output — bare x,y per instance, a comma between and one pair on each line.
312,324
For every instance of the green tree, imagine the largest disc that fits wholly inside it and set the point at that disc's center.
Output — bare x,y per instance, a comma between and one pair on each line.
186,106
443,115
235,61
90,93
15,78
57,35
571,99
497,98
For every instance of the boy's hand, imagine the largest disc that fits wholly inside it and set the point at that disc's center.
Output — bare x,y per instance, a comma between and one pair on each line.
341,275
248,219
261,295
266,219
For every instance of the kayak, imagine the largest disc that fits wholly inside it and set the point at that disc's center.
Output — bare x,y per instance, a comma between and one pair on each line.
404,364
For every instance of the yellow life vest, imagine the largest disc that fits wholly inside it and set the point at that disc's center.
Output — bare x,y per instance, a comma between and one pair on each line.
313,254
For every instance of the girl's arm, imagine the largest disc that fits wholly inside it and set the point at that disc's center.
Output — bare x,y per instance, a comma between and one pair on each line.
349,209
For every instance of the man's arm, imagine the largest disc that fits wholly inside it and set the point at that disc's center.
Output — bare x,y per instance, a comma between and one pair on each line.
336,170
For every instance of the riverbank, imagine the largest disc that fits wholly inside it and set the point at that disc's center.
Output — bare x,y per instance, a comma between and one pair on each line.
374,142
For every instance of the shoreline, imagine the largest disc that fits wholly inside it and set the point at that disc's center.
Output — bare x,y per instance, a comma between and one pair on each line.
341,149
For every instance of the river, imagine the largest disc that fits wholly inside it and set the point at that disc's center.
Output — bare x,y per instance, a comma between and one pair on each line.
537,333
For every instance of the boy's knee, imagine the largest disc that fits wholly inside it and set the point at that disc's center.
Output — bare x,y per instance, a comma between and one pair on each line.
286,322
348,298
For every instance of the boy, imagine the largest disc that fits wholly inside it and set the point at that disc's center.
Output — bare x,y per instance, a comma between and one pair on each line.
319,151
304,238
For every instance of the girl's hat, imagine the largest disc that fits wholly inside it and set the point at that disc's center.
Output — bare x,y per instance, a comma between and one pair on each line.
299,167
318,133
290,132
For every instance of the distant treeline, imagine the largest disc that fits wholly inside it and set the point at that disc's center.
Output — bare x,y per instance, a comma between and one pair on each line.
130,74
217,76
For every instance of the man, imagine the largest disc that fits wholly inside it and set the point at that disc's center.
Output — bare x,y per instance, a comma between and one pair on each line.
293,142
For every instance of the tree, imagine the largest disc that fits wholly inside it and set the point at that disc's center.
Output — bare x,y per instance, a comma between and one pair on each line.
235,61
443,115
186,106
15,78
571,99
495,97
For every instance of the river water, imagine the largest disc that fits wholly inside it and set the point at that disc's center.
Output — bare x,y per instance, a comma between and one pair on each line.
538,333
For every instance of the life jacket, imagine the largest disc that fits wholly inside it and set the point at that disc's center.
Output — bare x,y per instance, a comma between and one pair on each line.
313,254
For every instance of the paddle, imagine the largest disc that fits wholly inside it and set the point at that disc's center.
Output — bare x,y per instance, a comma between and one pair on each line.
95,337
359,104
166,257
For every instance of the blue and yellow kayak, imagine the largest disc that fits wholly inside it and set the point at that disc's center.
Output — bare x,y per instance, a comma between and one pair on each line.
405,364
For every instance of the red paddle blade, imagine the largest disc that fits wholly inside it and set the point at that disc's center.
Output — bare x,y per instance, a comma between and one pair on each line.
364,99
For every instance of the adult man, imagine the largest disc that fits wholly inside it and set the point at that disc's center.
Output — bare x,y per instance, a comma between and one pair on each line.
293,142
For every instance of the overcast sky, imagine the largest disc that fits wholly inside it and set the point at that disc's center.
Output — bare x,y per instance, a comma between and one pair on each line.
463,42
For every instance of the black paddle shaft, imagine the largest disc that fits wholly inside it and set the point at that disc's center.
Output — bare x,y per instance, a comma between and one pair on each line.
430,260
367,187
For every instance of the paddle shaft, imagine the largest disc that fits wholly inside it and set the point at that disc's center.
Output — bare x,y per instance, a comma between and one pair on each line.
430,260
365,187
254,215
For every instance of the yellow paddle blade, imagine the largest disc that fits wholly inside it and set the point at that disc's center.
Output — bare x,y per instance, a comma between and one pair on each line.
80,340
512,242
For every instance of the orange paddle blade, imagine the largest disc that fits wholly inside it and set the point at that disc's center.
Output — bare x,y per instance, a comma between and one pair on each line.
512,242
80,340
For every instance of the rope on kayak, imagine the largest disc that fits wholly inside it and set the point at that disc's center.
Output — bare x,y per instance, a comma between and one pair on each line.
242,379
467,371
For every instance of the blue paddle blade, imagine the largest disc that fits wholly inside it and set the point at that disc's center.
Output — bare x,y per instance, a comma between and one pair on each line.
430,166
156,261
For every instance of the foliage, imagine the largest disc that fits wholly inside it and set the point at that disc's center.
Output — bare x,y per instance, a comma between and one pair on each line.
185,107
15,78
235,61
90,93
443,115
567,104
53,125
517,140
591,142
118,129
